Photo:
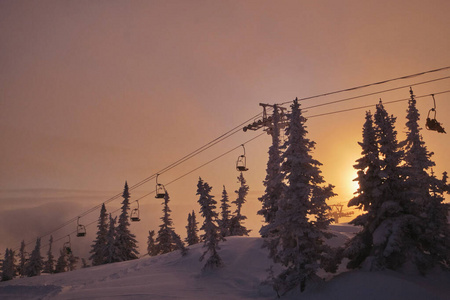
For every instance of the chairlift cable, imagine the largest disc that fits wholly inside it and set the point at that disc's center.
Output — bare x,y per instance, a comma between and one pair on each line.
368,85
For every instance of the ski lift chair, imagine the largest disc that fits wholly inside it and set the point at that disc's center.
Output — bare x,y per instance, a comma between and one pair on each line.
241,163
432,123
160,189
81,229
134,216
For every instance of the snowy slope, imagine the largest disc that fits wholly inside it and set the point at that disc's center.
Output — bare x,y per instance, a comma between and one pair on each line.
171,276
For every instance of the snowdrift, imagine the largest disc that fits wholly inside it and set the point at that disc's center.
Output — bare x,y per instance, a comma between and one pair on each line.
171,276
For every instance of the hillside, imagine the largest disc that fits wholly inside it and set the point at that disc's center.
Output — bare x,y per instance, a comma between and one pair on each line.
171,276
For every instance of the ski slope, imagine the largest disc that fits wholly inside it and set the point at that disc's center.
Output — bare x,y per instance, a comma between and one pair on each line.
172,276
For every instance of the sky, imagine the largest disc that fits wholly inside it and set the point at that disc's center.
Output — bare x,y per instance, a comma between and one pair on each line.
96,93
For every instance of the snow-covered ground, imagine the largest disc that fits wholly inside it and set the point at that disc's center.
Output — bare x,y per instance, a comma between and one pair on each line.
172,276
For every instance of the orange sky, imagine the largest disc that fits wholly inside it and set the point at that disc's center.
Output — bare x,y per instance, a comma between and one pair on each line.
93,93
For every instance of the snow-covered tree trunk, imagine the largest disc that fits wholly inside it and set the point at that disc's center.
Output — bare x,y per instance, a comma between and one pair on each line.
212,235
98,248
126,241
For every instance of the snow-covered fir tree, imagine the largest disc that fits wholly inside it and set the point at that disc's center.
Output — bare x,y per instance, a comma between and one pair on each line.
225,215
126,241
367,196
391,226
192,237
426,192
152,249
72,261
212,235
98,251
274,178
164,240
236,222
61,262
21,268
395,223
112,251
35,263
8,265
49,264
296,237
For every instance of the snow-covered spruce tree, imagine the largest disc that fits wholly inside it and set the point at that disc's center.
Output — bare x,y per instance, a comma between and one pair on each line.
164,240
72,261
192,230
98,250
49,264
225,214
236,223
8,265
61,262
212,235
426,192
152,249
296,237
274,179
395,230
112,252
126,241
21,268
368,196
390,226
35,263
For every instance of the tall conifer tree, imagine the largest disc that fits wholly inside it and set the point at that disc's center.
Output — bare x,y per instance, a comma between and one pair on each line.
367,197
112,251
98,248
35,263
225,214
192,230
49,264
125,240
296,237
21,268
212,235
164,241
426,193
236,223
